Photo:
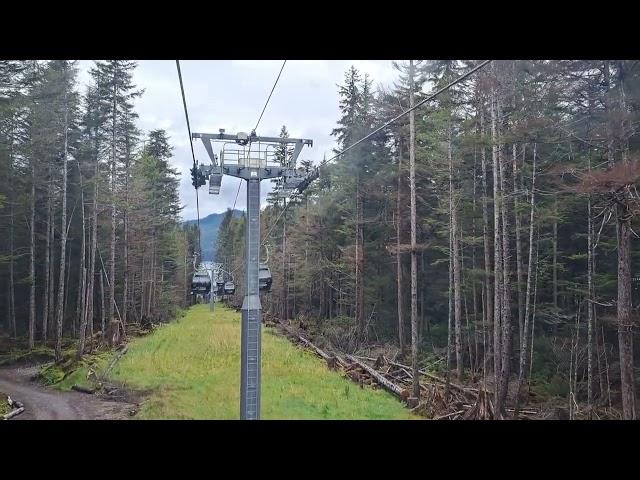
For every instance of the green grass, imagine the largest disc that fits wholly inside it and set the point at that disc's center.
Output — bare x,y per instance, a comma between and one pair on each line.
4,404
192,368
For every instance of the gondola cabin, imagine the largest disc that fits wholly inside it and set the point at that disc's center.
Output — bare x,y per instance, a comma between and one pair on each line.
200,283
264,277
229,288
219,288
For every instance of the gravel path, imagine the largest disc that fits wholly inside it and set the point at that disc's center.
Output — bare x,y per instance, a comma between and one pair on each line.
42,403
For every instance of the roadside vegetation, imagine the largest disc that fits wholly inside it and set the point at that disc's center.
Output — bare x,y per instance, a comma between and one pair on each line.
4,404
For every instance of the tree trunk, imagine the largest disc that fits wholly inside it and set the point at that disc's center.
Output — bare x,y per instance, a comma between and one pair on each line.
590,306
524,338
474,293
103,323
414,269
506,298
32,259
359,280
463,281
450,327
125,220
457,298
87,319
361,267
63,230
488,311
497,249
592,340
533,313
400,297
625,322
186,285
423,322
52,272
47,263
82,270
555,251
284,264
151,273
112,246
143,282
67,284
607,110
516,214
12,294
624,134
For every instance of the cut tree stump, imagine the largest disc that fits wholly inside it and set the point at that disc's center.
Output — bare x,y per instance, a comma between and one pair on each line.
412,402
113,333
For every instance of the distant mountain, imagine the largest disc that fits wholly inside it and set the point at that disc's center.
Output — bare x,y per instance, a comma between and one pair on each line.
209,227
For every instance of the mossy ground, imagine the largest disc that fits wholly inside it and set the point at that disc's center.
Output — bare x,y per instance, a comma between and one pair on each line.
192,368
70,371
22,355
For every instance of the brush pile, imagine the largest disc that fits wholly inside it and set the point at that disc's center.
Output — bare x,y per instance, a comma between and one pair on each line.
439,399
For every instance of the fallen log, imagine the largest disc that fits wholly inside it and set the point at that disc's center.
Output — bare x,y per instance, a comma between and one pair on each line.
18,408
330,359
341,362
81,389
361,357
407,373
13,413
395,375
522,412
114,361
380,379
472,391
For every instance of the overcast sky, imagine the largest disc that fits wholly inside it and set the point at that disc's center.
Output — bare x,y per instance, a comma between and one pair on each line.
230,94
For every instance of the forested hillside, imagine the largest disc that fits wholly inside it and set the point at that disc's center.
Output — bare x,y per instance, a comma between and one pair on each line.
89,207
209,228
519,184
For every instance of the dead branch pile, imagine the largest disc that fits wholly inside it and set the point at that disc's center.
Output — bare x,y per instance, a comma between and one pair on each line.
440,398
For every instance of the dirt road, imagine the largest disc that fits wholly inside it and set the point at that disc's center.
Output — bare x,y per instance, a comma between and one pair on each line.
42,403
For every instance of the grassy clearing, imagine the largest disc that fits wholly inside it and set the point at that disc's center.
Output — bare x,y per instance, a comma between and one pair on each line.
193,368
